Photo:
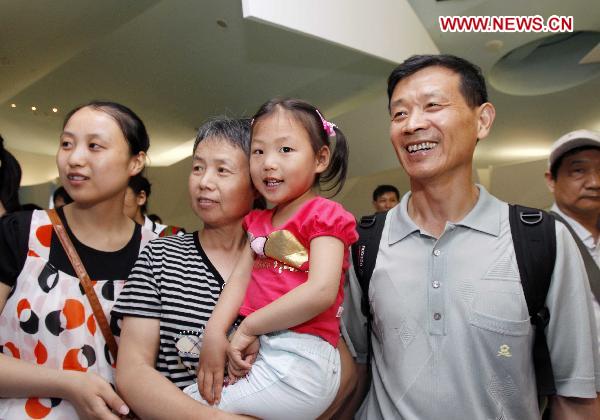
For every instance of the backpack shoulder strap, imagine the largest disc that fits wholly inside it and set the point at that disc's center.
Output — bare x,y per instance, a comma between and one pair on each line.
534,239
364,253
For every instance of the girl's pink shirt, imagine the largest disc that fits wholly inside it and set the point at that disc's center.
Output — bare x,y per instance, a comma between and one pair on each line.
287,263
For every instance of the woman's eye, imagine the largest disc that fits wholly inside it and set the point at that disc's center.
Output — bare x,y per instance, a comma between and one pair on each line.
223,170
95,146
433,105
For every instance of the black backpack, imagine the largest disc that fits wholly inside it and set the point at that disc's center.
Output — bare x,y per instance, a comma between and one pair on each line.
534,239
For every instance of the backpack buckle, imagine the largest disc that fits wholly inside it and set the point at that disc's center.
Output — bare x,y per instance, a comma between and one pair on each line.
541,319
367,221
531,218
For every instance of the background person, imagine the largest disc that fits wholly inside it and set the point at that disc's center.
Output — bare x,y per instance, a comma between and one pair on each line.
61,197
573,177
385,197
30,206
155,218
135,207
10,180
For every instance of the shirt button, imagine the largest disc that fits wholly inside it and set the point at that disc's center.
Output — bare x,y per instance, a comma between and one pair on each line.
437,316
437,252
435,284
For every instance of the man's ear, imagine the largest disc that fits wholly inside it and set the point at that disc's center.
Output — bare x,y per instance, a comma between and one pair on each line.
485,119
550,182
141,198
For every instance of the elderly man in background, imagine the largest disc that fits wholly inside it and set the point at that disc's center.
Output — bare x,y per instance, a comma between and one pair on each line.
573,177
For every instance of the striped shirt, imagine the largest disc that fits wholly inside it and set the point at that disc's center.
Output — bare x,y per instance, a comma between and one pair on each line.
173,281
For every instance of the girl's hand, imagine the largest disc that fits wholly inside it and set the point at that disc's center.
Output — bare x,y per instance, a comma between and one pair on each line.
250,354
242,352
93,397
212,366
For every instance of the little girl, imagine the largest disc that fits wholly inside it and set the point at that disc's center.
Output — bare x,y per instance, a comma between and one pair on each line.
288,284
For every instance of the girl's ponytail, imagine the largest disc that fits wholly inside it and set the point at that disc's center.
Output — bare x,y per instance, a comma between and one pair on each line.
334,176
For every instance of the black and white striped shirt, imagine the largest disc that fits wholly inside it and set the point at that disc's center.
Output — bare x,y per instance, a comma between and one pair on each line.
173,281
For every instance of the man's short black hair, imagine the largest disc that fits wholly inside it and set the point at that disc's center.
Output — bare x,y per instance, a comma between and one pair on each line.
382,189
139,183
61,192
472,84
556,166
155,218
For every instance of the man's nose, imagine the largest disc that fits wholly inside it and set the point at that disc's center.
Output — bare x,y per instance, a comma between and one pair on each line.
415,121
593,179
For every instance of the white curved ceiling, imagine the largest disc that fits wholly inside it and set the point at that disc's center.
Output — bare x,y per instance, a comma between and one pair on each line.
175,66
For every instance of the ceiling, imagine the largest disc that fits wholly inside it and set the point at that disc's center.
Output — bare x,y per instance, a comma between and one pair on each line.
178,62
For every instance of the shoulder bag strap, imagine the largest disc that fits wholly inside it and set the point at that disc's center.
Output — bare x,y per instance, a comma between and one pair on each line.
86,283
591,267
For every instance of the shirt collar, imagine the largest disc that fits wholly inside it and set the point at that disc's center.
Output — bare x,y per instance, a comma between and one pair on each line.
484,216
148,223
584,234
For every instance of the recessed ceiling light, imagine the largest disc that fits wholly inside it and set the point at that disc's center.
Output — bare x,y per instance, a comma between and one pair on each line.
222,23
55,109
13,105
494,45
33,108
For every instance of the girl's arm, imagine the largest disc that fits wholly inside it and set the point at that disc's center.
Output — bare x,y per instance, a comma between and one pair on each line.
91,395
310,298
301,303
149,393
214,341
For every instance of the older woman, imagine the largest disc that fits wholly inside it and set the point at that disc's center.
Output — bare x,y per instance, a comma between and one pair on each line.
176,282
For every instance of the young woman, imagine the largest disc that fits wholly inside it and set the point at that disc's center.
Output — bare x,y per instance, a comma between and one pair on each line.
55,361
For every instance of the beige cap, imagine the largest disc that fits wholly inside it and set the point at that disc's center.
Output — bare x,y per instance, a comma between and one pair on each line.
571,141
